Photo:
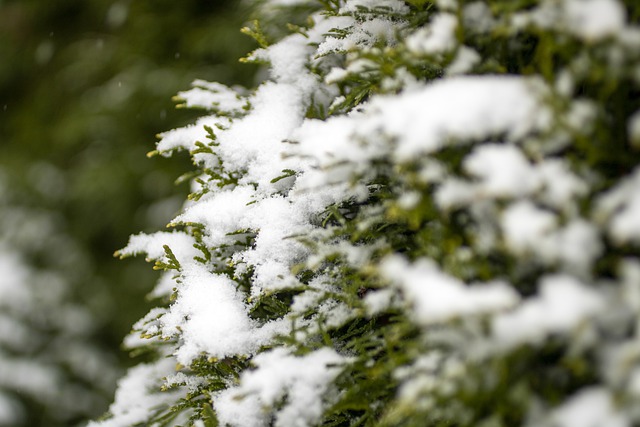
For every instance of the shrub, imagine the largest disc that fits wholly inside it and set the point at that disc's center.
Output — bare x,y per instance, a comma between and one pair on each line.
426,215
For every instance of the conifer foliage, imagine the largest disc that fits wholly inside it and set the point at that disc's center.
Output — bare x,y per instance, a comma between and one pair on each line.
428,214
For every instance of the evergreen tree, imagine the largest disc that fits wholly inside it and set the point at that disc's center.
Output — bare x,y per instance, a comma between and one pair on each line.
425,215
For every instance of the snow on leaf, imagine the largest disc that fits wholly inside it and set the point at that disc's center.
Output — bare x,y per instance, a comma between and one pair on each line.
301,381
562,305
438,297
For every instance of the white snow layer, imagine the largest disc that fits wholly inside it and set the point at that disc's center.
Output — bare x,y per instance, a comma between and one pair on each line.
562,305
620,207
458,109
396,6
212,319
301,381
591,407
439,297
134,400
594,19
588,20
213,96
437,37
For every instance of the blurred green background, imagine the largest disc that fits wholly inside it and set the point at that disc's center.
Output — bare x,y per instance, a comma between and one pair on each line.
85,85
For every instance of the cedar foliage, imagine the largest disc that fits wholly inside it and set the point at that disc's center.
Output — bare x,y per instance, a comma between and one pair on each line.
541,325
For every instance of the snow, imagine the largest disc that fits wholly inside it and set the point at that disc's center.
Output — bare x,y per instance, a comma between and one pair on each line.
303,381
288,61
620,208
335,75
577,245
10,410
185,138
219,331
531,231
312,296
213,96
275,250
437,37
634,383
438,297
594,19
503,169
229,206
589,20
12,279
630,275
133,403
525,226
378,301
459,108
29,377
476,16
181,245
561,185
164,286
277,109
492,105
465,59
395,6
454,192
409,200
590,407
562,305
364,34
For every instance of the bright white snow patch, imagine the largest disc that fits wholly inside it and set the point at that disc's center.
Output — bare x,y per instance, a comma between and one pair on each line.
221,213
303,381
561,185
181,245
620,207
133,401
438,297
396,6
526,225
591,407
503,169
278,109
212,318
589,20
359,36
437,37
562,305
458,109
185,138
594,19
213,96
465,59
10,411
